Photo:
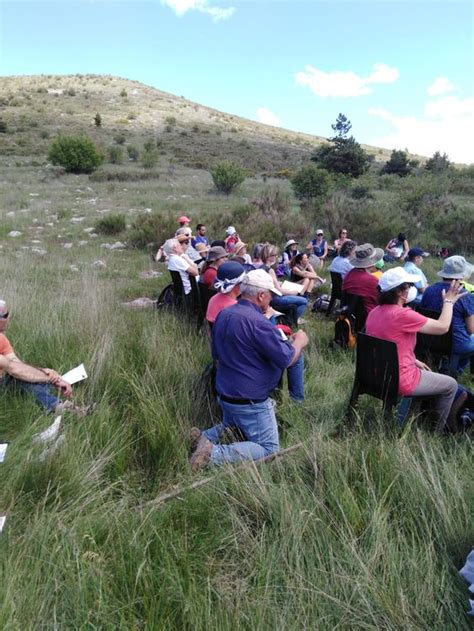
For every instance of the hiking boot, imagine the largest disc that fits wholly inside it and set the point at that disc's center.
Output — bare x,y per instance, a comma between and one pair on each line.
202,454
452,422
78,410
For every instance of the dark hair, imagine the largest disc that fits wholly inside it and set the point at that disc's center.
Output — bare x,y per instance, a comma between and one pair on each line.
296,260
342,230
221,243
199,226
346,248
401,236
390,297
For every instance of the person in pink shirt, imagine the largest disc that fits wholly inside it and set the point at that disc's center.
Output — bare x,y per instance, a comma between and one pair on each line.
229,276
391,321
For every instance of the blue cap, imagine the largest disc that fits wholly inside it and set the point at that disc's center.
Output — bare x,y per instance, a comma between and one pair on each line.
416,252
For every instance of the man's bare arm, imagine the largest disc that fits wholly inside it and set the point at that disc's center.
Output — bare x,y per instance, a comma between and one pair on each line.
24,372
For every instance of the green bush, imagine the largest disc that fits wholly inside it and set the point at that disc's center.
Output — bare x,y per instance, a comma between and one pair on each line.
77,154
111,224
150,229
133,153
98,120
149,158
120,139
227,176
310,182
115,155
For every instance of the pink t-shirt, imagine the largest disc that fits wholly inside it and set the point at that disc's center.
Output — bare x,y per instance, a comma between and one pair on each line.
399,325
216,304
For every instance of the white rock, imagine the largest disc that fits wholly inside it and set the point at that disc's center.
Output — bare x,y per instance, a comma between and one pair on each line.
35,241
93,235
50,224
39,251
150,273
34,194
73,268
140,303
99,265
89,229
92,201
10,214
83,242
68,246
118,245
77,219
14,233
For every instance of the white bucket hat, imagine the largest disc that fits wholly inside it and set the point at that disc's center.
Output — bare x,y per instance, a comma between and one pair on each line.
261,279
395,277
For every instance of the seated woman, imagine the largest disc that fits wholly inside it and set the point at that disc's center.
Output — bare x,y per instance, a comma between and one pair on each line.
338,243
302,272
396,249
290,251
268,256
216,256
318,249
341,264
390,321
457,268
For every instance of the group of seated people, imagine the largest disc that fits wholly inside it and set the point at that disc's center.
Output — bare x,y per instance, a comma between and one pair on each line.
252,350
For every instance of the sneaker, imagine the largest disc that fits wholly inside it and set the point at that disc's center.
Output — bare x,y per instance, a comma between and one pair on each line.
78,410
202,454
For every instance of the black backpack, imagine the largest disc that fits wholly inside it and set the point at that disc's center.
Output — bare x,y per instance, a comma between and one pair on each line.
166,298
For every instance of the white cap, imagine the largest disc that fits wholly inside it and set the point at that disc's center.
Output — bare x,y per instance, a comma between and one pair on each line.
262,279
231,230
395,277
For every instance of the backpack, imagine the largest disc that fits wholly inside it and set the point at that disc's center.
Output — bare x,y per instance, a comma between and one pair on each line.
321,304
344,335
166,298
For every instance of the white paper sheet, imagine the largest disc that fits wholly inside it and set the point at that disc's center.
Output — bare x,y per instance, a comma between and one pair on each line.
76,374
2,521
49,451
293,288
3,451
49,433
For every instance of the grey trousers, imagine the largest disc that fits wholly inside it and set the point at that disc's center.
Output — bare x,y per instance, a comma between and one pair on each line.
443,389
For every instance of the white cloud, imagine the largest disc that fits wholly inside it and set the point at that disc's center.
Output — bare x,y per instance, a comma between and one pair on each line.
268,117
441,85
180,7
345,84
442,127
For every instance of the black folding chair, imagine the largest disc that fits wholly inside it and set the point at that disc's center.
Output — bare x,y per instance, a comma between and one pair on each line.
178,290
356,308
376,374
205,294
336,290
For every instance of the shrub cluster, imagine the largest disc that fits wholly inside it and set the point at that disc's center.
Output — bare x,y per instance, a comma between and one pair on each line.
77,154
227,176
111,224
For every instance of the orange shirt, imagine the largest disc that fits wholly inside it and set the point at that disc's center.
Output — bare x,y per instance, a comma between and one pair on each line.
5,346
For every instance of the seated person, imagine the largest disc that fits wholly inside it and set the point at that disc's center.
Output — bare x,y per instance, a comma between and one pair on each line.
231,239
200,236
14,374
318,249
281,299
341,264
390,321
379,267
178,260
338,243
396,249
191,252
457,268
360,281
302,272
215,257
240,252
291,250
229,276
414,261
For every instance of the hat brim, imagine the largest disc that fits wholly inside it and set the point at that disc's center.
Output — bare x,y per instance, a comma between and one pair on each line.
407,278
460,275
369,261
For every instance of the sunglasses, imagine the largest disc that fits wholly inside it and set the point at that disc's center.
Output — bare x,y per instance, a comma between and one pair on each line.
5,315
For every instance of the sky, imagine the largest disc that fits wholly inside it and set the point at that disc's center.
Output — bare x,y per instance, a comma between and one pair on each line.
402,72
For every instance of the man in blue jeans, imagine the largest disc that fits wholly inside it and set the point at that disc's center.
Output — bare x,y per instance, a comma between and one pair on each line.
251,355
16,375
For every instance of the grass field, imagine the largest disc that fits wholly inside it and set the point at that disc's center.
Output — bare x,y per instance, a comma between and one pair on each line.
365,531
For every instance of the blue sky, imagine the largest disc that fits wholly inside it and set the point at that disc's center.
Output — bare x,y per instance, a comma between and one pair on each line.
403,72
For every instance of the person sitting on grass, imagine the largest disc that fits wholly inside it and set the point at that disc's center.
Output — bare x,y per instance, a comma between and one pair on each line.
391,321
16,375
178,261
302,272
251,356
318,249
396,249
215,257
341,264
339,242
457,268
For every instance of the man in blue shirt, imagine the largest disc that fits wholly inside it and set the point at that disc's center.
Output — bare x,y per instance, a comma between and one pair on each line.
200,236
251,355
413,264
455,267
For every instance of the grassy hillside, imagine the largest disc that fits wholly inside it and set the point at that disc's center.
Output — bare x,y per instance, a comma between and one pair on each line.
365,530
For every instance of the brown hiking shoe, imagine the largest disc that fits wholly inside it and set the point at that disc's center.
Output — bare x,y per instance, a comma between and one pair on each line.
78,410
452,421
202,454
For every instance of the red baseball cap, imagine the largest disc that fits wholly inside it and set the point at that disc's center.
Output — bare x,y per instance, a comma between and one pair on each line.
184,219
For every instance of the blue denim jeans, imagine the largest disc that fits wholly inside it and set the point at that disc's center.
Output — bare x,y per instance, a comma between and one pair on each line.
298,301
40,391
257,423
296,379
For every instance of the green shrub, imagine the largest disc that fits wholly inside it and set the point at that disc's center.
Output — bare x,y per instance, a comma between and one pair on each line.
122,176
149,158
3,127
120,139
171,120
150,229
77,154
98,120
133,153
115,155
227,176
123,92
310,182
111,224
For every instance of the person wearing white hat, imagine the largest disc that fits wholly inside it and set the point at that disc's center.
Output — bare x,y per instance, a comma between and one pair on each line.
455,267
231,239
251,356
291,250
391,321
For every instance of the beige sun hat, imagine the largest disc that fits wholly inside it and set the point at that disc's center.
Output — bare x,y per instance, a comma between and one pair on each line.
366,255
261,279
